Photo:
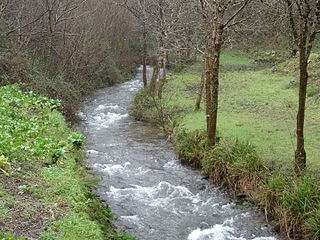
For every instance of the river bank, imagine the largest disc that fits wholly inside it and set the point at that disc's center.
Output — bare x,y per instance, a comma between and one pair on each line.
45,189
256,107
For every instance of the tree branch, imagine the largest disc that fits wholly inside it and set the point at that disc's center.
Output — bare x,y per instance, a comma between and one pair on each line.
245,3
27,24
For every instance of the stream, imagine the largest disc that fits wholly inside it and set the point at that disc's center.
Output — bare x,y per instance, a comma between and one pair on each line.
152,194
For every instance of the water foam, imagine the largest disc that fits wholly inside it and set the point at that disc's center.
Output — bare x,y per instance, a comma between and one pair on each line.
82,116
173,165
134,218
217,232
105,120
223,231
125,169
157,196
102,107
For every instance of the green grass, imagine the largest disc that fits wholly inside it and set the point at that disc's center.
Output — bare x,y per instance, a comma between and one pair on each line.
254,106
43,178
235,59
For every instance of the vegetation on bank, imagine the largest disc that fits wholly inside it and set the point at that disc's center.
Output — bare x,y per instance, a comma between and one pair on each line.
45,189
256,144
32,74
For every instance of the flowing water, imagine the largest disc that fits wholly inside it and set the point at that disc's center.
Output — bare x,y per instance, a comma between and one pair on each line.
151,193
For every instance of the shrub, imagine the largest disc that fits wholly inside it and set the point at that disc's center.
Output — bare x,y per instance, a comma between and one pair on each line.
77,140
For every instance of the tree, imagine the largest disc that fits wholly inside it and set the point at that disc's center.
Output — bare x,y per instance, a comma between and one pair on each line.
165,17
63,35
304,18
139,9
218,16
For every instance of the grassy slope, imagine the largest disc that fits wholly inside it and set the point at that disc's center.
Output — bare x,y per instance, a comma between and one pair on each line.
255,106
44,187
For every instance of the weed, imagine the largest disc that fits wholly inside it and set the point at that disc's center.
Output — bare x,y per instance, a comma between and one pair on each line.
77,139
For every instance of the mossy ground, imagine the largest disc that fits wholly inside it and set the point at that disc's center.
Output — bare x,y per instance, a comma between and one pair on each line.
45,189
256,123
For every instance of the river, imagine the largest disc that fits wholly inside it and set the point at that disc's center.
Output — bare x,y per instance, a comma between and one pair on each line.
152,194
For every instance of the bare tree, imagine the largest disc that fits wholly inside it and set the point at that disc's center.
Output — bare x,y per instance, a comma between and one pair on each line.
165,20
139,9
63,38
304,18
218,16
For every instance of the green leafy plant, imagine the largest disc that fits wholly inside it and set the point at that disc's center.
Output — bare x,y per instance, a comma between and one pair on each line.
4,164
77,139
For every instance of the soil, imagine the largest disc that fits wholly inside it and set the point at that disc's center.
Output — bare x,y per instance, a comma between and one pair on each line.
28,215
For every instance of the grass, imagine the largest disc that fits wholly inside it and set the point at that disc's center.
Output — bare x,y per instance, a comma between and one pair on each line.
254,106
256,126
45,190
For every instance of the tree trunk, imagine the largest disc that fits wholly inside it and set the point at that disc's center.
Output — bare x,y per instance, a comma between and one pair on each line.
163,79
300,155
145,56
199,99
163,54
215,51
153,82
208,85
50,29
